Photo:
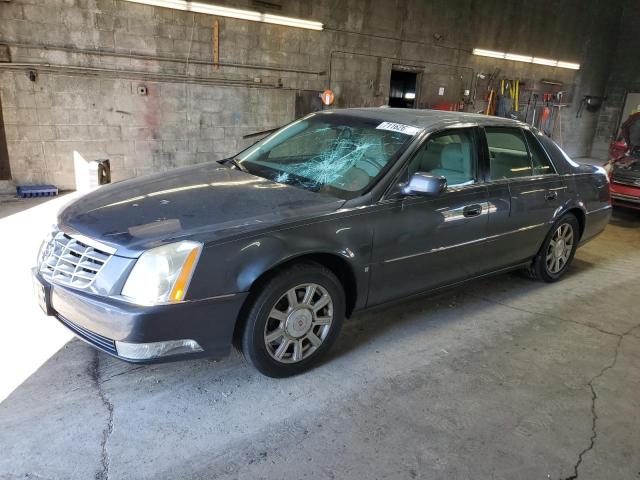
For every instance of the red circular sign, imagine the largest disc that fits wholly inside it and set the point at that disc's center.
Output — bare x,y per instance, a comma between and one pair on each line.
327,97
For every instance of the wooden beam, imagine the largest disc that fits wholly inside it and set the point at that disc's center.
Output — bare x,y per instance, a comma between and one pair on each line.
5,170
216,44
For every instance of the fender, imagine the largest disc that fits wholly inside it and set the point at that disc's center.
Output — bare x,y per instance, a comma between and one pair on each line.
571,204
235,266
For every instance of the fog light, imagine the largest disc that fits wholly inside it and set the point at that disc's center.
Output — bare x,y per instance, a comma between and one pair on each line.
144,351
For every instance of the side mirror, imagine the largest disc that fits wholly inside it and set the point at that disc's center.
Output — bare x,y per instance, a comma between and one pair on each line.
424,184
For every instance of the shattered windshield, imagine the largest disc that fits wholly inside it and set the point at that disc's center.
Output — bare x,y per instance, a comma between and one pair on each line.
335,154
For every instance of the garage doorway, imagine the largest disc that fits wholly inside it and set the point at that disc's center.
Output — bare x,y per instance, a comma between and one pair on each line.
5,171
307,102
403,89
631,103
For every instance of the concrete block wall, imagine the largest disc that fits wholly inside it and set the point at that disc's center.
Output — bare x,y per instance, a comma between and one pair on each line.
172,125
90,57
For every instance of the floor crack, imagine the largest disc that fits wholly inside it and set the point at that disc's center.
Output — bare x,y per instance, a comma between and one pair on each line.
102,381
103,472
594,398
594,394
524,310
126,372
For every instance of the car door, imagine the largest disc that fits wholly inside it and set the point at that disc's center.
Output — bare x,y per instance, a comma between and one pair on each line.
425,242
524,194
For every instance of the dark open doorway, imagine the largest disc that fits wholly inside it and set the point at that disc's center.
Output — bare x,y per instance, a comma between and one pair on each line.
402,91
5,171
631,103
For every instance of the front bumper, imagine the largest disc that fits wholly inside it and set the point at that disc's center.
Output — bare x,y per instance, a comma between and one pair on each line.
625,196
103,321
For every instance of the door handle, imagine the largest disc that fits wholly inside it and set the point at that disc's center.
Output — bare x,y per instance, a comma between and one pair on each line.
472,211
551,195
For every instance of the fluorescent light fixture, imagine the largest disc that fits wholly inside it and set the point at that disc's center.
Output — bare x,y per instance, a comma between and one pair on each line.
410,95
291,22
545,61
198,7
572,66
526,59
488,53
518,58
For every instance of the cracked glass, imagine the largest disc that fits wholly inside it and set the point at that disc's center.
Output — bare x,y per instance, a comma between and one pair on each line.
336,154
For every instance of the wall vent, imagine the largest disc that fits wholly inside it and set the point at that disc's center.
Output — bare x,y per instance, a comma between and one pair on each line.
5,53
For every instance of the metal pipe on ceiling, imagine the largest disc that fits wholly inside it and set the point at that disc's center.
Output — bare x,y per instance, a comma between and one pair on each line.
159,58
136,74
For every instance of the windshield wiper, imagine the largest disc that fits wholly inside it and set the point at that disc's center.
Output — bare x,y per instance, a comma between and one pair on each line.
264,132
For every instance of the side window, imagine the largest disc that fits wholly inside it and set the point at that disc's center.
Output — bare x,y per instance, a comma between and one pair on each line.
449,154
539,159
508,154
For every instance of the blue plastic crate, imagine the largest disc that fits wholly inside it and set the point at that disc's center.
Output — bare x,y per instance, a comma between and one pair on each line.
25,191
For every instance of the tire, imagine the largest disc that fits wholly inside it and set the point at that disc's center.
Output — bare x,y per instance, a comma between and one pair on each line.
553,259
285,335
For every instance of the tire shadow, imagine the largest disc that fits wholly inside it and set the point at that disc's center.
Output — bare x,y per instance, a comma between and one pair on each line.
431,310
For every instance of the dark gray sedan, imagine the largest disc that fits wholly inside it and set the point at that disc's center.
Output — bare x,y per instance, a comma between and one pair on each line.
338,211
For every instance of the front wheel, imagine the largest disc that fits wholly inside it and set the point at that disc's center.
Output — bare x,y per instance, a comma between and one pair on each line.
557,251
293,320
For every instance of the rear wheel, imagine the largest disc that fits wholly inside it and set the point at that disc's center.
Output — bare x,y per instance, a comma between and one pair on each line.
557,251
293,320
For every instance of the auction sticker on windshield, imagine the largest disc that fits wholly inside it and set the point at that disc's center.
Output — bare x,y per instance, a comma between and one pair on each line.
398,127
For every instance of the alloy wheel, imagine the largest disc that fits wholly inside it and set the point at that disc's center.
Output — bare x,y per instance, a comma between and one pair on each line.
559,249
298,323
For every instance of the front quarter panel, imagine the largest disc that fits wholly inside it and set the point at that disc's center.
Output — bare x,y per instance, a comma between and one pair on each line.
232,267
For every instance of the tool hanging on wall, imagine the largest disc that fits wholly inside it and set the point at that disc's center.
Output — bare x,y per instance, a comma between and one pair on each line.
559,137
504,103
491,103
506,98
489,110
546,113
557,126
526,112
535,103
593,104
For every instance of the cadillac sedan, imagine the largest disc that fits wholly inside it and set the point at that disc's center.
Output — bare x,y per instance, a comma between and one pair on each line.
339,211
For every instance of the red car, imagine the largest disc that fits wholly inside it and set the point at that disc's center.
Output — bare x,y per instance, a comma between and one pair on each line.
624,173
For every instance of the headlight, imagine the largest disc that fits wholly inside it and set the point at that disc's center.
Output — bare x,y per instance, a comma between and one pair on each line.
162,274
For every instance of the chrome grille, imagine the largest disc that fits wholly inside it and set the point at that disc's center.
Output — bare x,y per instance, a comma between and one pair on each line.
626,178
68,261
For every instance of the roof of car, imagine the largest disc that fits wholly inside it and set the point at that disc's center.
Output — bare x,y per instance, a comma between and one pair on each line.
427,119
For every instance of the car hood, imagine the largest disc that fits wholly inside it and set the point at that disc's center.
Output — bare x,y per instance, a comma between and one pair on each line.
206,202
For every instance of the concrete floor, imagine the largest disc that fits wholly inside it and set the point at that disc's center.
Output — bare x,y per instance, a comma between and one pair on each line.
503,378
